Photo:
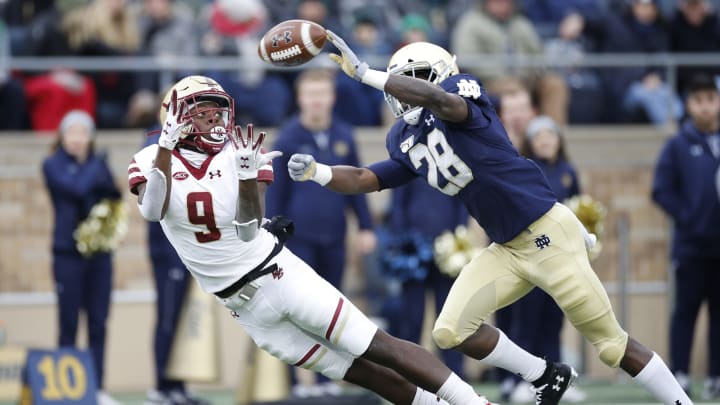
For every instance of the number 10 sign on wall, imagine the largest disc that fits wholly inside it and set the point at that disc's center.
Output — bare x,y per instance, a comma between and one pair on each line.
59,377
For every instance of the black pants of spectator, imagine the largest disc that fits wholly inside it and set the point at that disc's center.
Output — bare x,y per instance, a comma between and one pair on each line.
536,325
12,104
84,285
171,285
409,325
328,260
696,281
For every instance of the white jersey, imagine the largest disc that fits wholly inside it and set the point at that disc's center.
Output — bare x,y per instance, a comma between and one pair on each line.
198,222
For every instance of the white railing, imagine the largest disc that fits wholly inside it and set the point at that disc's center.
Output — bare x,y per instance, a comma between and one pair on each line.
166,65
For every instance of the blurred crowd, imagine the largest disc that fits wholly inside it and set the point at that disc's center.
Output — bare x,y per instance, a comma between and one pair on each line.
566,29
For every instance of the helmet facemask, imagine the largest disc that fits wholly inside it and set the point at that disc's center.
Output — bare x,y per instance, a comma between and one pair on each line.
199,135
422,69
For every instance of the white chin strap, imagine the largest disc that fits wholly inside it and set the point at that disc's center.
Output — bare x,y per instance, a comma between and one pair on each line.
412,117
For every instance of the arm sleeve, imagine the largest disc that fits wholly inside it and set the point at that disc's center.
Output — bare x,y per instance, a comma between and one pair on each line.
77,185
391,173
154,197
135,176
141,171
666,185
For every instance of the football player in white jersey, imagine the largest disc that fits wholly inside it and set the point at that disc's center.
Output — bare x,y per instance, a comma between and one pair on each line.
208,196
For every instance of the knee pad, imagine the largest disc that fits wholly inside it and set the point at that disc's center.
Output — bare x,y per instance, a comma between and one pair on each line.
612,351
445,338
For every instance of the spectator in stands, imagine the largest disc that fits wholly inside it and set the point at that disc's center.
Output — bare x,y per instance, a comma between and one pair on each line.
357,104
19,16
410,202
167,29
235,27
546,15
536,320
171,286
695,28
319,215
586,88
383,13
634,93
495,27
321,12
279,10
368,37
441,15
685,188
50,96
415,28
77,178
516,110
12,94
107,28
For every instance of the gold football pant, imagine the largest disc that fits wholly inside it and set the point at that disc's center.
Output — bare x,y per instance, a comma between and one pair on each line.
550,254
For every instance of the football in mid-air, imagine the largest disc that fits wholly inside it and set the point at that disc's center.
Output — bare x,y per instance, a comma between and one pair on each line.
292,43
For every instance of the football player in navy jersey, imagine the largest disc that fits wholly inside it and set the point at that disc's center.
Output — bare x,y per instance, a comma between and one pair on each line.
451,136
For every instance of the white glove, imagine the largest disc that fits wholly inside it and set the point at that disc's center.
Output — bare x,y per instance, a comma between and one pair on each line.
349,62
590,240
173,126
303,167
248,156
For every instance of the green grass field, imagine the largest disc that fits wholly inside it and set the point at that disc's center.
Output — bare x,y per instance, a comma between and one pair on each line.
599,392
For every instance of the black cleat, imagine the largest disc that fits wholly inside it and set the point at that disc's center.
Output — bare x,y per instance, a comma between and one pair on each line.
551,386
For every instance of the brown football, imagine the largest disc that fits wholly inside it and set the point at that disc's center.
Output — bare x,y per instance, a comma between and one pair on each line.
292,43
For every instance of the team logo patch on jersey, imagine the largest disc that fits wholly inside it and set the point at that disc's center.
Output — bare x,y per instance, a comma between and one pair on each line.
469,89
542,241
180,175
407,144
215,173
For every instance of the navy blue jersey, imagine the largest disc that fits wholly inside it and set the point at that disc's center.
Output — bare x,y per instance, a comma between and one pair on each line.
473,160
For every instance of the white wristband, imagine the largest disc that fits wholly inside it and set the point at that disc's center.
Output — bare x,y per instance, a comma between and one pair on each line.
166,143
323,174
375,78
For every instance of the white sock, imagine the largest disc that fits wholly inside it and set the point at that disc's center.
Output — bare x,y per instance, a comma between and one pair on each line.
423,397
659,381
513,358
457,392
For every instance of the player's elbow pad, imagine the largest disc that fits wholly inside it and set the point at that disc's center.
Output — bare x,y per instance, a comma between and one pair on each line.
153,199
